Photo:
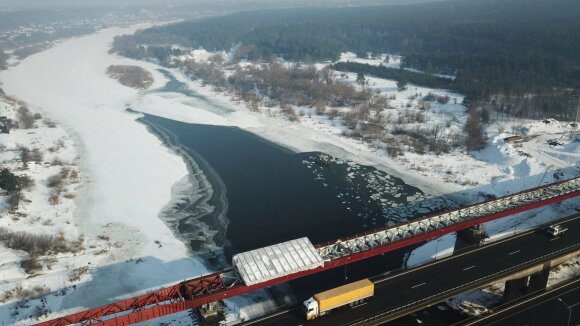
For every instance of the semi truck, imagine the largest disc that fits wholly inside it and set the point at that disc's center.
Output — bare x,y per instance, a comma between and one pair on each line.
352,294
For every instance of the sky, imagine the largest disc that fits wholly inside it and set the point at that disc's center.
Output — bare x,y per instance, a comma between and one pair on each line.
39,4
84,3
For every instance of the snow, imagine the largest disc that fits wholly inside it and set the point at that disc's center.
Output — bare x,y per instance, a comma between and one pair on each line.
439,248
564,271
127,174
499,169
459,171
476,302
201,55
394,61
386,60
314,133
437,75
37,216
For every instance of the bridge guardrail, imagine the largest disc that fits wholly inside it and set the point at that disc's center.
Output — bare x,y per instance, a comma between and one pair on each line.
472,284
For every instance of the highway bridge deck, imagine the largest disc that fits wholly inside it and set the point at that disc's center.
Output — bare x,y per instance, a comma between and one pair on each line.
429,280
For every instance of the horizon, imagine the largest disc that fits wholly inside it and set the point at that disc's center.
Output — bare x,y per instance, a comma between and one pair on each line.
75,4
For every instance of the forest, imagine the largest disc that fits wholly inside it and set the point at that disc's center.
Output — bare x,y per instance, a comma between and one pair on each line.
508,47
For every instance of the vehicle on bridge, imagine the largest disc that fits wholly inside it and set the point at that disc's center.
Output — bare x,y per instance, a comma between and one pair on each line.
350,294
556,230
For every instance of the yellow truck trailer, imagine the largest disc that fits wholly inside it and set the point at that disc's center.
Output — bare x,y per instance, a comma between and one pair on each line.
322,303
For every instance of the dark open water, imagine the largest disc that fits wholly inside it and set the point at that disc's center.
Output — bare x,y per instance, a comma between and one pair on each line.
274,195
244,192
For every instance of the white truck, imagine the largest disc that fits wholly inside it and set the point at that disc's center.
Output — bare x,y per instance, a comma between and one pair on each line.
556,230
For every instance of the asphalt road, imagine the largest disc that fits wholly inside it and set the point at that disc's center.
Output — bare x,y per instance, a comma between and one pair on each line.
425,281
555,307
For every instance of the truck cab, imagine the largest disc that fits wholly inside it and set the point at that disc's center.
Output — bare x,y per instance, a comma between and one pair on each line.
310,308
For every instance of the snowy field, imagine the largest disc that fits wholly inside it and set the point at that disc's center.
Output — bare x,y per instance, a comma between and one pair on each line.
386,60
389,61
127,175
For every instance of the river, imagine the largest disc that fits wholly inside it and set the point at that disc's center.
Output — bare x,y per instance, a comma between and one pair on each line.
244,192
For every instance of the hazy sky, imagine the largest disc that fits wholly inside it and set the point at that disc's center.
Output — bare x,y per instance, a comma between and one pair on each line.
38,4
85,3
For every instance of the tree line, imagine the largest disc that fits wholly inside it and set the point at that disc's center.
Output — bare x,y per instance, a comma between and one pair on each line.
509,47
299,90
402,75
525,99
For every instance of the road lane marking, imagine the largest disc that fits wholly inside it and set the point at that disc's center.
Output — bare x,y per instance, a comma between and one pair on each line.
418,285
468,268
513,252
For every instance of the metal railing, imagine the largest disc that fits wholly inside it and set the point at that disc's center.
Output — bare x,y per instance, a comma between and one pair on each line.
399,232
466,286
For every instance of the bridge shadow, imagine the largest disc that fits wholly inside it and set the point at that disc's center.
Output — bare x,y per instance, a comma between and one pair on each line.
117,281
103,285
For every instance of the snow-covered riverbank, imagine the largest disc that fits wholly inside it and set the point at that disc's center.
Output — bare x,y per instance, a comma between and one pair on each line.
128,173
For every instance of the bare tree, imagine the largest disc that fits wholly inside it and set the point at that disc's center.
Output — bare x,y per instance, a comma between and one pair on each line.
327,75
475,138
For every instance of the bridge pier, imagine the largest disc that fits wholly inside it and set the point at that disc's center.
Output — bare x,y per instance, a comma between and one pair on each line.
469,237
539,281
515,288
521,286
211,313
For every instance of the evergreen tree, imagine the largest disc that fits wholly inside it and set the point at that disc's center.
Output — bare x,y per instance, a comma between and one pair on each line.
402,82
360,79
8,181
485,116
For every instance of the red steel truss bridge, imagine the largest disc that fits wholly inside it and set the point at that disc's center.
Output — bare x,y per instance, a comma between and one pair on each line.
226,283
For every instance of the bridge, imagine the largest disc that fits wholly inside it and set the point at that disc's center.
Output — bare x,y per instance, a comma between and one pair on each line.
251,275
522,261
